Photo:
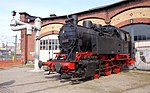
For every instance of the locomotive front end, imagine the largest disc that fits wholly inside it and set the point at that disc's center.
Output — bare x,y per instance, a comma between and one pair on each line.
64,61
67,36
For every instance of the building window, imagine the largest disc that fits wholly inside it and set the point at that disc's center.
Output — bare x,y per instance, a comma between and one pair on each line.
41,45
46,44
49,44
141,37
138,31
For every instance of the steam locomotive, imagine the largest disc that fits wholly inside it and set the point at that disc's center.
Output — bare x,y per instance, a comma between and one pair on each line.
90,50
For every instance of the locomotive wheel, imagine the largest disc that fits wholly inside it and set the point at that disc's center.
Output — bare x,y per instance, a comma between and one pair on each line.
96,76
108,71
116,70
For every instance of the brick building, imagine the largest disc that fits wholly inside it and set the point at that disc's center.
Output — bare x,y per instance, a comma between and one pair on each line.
130,15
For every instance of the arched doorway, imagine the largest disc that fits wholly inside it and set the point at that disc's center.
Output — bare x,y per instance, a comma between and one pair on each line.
141,38
48,46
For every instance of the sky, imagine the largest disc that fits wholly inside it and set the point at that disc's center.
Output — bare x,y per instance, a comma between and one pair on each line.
41,8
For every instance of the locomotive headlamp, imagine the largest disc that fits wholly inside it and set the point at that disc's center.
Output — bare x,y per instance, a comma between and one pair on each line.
13,13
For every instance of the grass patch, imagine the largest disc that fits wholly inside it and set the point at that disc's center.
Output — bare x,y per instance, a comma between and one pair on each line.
27,66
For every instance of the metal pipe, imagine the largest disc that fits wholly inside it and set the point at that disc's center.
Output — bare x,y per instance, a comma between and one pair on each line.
36,51
15,22
21,27
18,25
37,24
15,45
17,28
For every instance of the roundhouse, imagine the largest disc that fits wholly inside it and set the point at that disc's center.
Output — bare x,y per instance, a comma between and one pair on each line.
130,15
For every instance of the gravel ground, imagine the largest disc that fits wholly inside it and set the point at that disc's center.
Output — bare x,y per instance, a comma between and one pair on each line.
22,80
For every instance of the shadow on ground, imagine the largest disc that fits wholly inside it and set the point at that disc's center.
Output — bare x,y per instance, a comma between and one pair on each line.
7,83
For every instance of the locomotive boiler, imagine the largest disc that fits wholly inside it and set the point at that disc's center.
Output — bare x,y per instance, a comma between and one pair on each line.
90,50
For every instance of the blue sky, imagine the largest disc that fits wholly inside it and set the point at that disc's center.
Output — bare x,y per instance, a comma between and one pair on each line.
42,8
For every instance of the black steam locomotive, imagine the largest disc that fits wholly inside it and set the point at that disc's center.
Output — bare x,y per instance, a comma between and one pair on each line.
90,50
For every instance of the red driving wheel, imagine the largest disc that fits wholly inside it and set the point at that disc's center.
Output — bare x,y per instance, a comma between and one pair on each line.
116,70
108,71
